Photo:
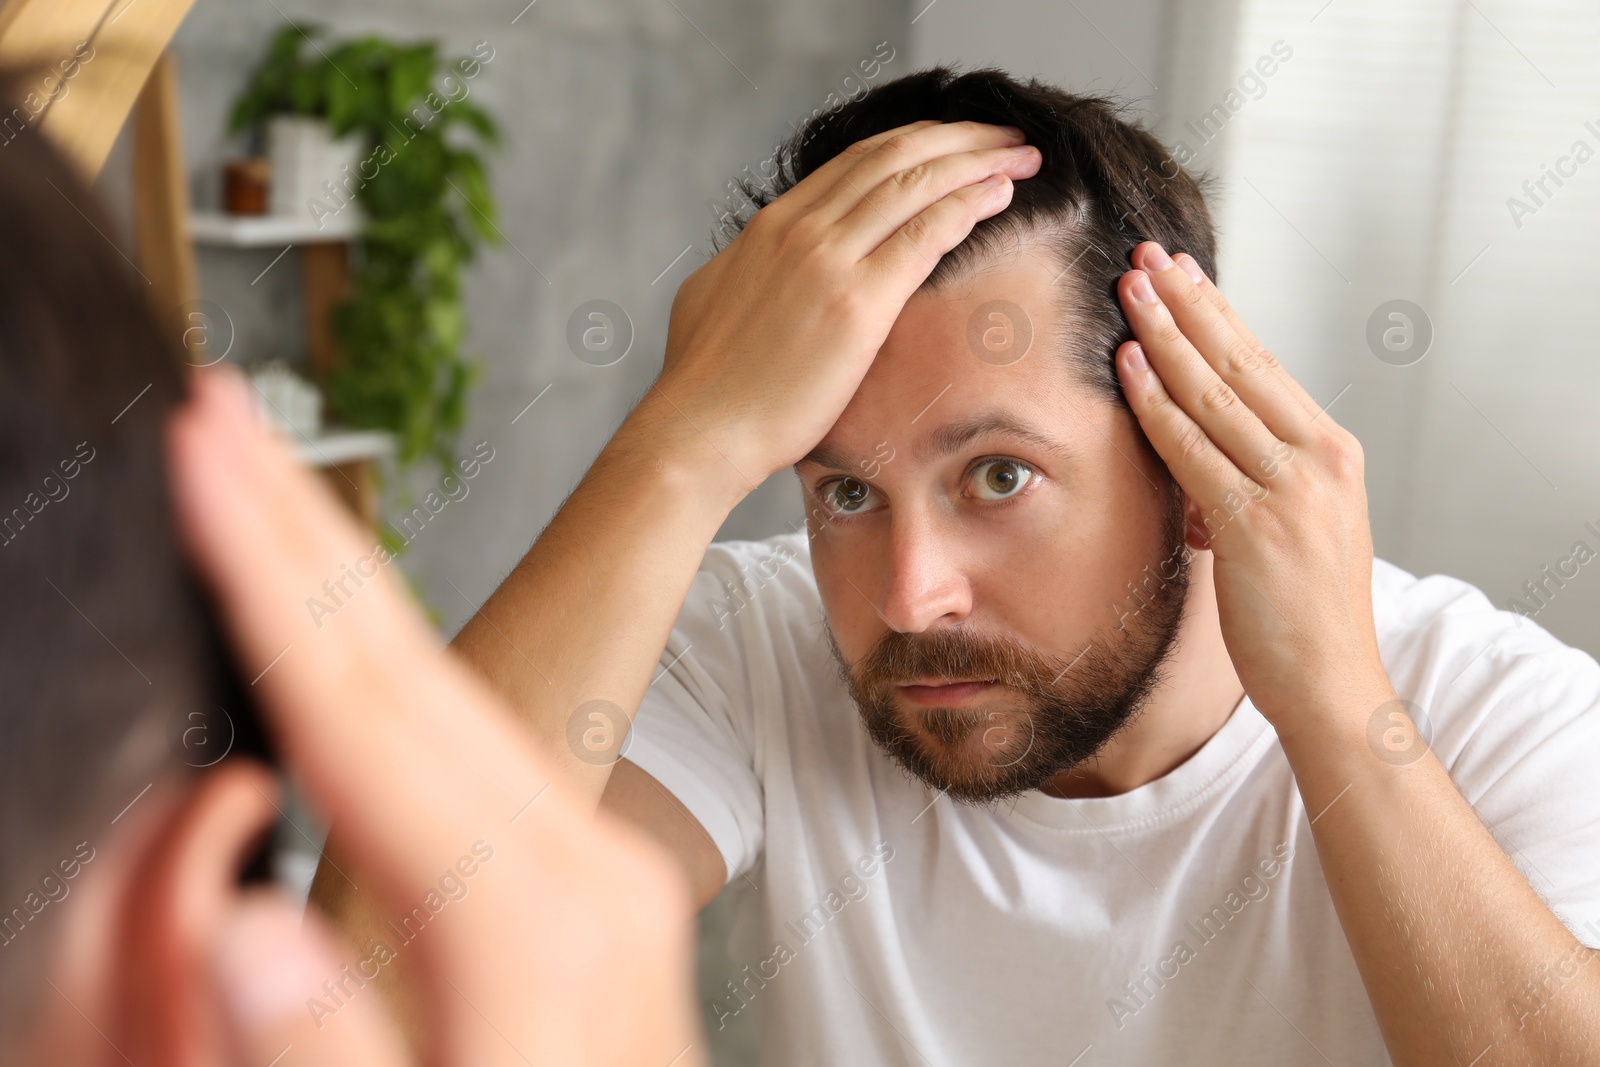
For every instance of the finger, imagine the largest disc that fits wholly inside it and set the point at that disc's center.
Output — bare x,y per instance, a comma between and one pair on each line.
1206,475
270,969
1285,403
815,185
365,708
1211,403
1248,368
267,536
904,261
866,165
217,431
905,194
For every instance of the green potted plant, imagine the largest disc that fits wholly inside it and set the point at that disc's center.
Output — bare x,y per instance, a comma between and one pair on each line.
420,186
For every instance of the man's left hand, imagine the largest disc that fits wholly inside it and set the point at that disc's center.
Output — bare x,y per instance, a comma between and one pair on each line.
1274,486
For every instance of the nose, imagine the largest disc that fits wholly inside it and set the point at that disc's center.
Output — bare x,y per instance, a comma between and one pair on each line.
927,584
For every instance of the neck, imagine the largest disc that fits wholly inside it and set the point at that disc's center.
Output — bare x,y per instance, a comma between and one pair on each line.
1200,691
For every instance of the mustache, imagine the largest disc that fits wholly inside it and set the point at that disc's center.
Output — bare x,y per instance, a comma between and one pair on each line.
899,658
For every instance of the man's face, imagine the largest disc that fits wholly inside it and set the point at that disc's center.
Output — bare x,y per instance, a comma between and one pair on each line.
975,530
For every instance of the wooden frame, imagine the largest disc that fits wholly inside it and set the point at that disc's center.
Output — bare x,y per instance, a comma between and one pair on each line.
85,66
161,196
126,39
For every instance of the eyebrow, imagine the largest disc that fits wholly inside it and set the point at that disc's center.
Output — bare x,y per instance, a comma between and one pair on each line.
950,438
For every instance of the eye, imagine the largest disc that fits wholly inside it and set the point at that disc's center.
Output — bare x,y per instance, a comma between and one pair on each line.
849,496
997,479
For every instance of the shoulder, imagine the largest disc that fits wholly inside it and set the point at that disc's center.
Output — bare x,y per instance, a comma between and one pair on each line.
1438,615
770,577
752,616
1495,685
778,551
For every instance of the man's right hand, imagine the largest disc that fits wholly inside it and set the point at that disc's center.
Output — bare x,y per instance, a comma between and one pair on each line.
770,339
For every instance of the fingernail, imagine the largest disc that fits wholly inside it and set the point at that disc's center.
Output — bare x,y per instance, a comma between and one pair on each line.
994,179
1136,357
1142,290
1156,258
1012,130
1192,269
265,965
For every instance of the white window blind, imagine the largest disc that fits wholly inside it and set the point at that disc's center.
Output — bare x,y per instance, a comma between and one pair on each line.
1386,159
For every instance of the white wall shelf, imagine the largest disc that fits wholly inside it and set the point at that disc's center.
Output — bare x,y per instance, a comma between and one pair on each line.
272,231
335,447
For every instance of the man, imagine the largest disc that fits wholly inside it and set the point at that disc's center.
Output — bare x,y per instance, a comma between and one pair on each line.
1080,725
135,927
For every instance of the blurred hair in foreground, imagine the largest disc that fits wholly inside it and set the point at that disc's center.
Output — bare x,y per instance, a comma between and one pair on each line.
112,656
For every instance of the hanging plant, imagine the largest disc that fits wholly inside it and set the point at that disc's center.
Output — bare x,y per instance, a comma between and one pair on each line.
424,194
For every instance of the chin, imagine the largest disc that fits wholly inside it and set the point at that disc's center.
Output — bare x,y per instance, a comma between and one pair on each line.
989,761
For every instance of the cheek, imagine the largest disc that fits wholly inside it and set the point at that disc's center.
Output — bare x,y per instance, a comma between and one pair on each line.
1056,573
841,570
1048,585
1121,530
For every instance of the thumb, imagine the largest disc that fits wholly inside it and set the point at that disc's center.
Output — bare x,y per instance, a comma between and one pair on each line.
270,967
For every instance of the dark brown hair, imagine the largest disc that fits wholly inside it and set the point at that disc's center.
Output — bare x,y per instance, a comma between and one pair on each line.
109,651
1104,186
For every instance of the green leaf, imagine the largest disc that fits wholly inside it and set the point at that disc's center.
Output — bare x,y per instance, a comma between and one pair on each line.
306,90
477,119
428,208
269,88
473,187
410,75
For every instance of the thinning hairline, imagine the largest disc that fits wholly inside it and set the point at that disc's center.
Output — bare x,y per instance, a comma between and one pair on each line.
1051,232
1010,235
1056,233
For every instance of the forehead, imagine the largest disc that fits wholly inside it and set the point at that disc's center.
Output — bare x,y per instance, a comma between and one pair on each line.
980,351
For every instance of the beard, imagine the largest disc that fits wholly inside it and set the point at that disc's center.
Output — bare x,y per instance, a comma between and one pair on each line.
1070,706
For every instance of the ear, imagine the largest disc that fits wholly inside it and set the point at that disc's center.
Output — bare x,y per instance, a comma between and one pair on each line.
184,892
1195,534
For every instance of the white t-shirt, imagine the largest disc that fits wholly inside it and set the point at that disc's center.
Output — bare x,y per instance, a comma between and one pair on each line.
1186,921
